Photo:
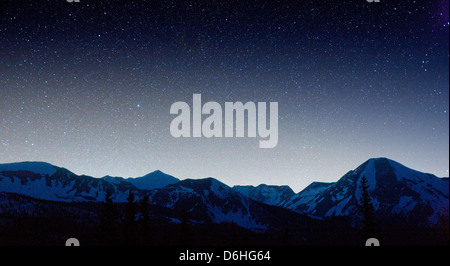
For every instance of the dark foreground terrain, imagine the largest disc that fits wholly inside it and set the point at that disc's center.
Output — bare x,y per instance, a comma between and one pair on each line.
27,221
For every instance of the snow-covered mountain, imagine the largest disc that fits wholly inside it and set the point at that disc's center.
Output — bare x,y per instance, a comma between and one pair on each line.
205,200
396,190
45,181
420,198
305,195
268,194
209,200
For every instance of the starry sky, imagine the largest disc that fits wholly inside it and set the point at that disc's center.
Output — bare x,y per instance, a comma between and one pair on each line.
88,86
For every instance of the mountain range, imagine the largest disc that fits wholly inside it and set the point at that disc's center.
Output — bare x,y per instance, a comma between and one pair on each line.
398,193
395,189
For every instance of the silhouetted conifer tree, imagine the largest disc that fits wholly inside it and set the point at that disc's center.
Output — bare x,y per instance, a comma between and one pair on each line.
130,219
144,208
185,227
108,217
367,210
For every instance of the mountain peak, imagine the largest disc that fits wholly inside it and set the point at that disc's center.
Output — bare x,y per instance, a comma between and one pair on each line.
394,188
377,160
205,183
388,170
155,179
36,167
156,172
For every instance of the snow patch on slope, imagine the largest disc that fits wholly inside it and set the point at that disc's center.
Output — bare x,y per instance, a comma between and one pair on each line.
237,217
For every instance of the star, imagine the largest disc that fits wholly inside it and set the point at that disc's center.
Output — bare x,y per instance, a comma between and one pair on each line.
92,85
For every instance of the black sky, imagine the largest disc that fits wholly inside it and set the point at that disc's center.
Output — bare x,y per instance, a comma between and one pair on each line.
88,85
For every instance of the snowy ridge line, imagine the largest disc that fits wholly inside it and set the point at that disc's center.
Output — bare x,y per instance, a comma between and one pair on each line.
395,190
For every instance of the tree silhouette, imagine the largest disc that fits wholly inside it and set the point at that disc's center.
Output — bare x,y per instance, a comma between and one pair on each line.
108,218
367,210
144,208
185,227
130,219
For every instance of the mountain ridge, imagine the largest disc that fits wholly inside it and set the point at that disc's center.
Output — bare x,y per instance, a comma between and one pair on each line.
394,188
420,198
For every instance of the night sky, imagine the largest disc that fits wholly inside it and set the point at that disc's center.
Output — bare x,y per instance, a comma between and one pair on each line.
88,86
